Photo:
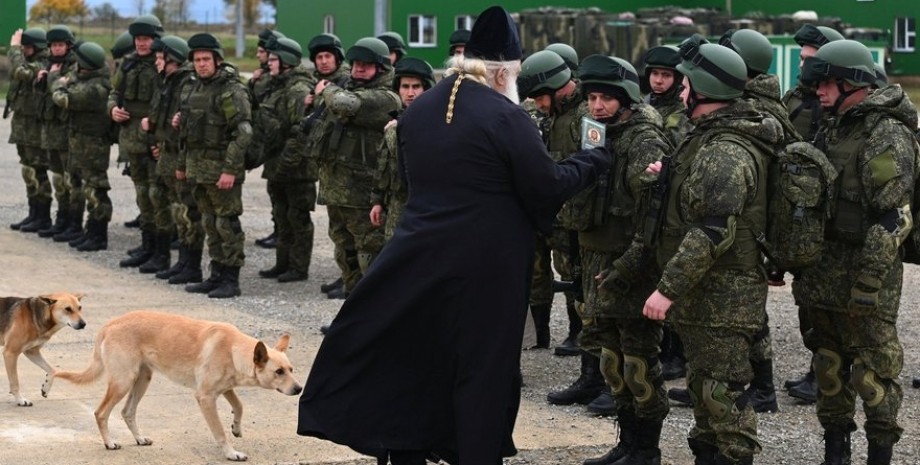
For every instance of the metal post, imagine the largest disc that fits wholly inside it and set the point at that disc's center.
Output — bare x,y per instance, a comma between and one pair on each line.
240,42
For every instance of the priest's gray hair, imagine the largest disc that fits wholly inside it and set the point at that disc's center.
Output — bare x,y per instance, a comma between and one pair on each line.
482,71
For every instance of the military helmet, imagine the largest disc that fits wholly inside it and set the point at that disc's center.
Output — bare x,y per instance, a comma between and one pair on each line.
457,38
204,41
816,36
568,54
123,45
90,55
601,72
714,71
395,42
288,50
60,33
755,49
841,59
268,34
326,43
175,48
36,37
413,67
543,73
369,50
881,76
146,25
664,56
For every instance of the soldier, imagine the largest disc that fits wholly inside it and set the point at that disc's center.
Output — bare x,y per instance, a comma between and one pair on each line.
661,82
61,61
124,44
568,54
457,42
411,77
291,184
28,52
805,113
215,124
177,207
396,44
344,143
83,95
615,330
712,195
134,85
852,294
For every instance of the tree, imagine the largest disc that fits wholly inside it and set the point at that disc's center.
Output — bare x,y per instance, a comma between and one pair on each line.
106,12
251,11
58,11
172,11
141,6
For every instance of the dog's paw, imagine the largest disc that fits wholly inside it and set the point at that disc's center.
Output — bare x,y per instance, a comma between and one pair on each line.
236,430
46,386
23,402
112,446
237,456
143,441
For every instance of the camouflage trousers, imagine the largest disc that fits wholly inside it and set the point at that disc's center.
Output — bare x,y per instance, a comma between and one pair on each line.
184,211
857,355
292,202
73,183
159,193
629,363
351,231
144,177
96,192
60,182
551,252
394,211
220,215
34,169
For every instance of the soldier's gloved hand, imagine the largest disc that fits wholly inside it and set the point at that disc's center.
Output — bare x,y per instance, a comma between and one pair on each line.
617,279
864,296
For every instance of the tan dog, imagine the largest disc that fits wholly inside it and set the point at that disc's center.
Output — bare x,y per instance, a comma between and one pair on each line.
27,323
210,357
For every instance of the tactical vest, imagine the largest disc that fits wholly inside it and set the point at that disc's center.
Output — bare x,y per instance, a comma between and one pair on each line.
561,134
92,120
804,113
843,145
52,113
166,105
137,81
205,126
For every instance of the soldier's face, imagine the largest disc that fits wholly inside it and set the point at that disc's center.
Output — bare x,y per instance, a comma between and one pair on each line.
685,92
602,105
828,92
409,89
807,52
28,50
661,80
458,49
205,66
544,103
363,71
58,49
394,57
161,61
325,63
262,55
274,65
143,45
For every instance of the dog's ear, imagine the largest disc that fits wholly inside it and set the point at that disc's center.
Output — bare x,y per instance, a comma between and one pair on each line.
282,344
45,300
79,296
260,355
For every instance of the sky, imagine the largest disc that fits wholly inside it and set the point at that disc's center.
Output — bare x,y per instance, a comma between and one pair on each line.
200,10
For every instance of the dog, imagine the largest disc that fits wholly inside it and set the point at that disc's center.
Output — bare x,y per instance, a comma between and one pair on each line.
210,357
27,323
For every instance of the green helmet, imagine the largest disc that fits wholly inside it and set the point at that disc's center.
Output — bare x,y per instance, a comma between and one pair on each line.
881,76
123,45
568,54
268,34
204,41
288,50
611,76
175,48
458,38
714,71
60,33
326,43
146,25
369,50
842,59
413,67
661,57
36,37
816,36
90,55
754,48
394,43
543,73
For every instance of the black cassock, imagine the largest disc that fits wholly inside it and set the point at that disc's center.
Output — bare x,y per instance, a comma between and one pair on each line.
425,353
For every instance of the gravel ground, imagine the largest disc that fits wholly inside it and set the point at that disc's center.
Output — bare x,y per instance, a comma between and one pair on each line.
791,436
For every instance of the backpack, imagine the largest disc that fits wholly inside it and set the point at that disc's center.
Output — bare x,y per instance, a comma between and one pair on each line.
912,243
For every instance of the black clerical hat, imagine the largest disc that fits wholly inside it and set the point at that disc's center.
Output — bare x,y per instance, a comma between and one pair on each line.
494,37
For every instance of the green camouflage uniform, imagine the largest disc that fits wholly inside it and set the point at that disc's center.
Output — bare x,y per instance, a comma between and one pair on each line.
259,88
54,137
291,182
712,268
390,190
615,329
134,85
673,113
84,100
804,110
344,143
856,348
217,130
26,126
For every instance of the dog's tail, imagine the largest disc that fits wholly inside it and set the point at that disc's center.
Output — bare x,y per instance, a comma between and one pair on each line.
90,374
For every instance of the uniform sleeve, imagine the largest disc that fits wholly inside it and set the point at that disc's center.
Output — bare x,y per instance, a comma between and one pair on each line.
23,70
366,108
386,164
237,110
294,151
113,94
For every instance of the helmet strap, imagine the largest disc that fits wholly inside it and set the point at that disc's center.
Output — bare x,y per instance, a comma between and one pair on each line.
843,95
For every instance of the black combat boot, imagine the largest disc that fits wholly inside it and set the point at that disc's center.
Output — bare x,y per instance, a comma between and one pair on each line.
569,346
159,261
293,275
41,220
645,451
681,396
135,223
27,219
148,245
805,391
208,285
541,314
74,227
229,285
703,453
325,288
178,266
626,418
604,404
268,242
723,460
282,264
762,392
586,388
61,221
192,271
879,454
836,447
98,237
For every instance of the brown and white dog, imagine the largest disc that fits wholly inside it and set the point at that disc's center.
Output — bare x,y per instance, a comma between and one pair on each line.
27,323
210,357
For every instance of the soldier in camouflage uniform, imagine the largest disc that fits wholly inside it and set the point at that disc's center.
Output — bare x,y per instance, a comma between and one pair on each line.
291,182
412,77
344,142
396,44
661,82
712,195
852,294
54,132
178,207
27,54
135,83
215,125
615,330
82,95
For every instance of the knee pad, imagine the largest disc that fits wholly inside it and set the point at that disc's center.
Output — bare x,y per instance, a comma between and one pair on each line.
29,176
695,387
612,369
639,377
827,365
867,383
59,182
718,402
365,259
